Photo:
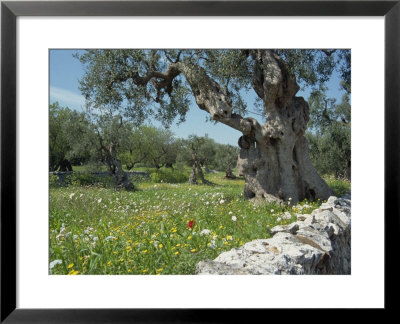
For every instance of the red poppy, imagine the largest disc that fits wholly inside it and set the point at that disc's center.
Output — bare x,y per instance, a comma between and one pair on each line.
190,224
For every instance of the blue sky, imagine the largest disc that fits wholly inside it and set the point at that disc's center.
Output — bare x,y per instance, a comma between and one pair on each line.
65,72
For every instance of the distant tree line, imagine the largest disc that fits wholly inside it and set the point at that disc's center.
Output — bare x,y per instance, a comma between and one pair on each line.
78,138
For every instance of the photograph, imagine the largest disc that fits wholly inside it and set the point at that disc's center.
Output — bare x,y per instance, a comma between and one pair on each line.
186,161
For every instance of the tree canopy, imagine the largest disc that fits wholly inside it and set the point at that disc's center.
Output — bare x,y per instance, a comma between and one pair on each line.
144,83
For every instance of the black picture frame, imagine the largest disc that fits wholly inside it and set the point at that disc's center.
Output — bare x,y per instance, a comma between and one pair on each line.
10,10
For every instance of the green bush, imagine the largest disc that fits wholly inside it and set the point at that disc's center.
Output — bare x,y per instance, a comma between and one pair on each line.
81,179
169,176
54,182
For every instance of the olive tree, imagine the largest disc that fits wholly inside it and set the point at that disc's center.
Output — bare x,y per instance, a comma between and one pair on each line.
151,146
197,152
330,134
226,159
62,121
273,157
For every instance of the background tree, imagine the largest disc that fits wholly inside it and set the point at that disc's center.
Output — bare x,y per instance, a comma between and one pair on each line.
226,159
197,152
274,156
104,136
330,134
150,146
61,121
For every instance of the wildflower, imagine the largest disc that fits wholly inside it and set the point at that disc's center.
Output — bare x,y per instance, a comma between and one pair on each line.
287,215
176,253
73,272
178,244
272,210
108,238
234,218
81,195
71,195
70,265
221,201
230,213
189,237
193,250
144,270
229,237
99,201
160,245
205,232
190,223
109,263
54,263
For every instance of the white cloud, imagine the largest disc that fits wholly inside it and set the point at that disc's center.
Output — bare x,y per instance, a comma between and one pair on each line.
67,98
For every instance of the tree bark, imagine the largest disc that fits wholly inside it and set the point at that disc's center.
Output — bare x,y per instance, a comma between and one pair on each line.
274,156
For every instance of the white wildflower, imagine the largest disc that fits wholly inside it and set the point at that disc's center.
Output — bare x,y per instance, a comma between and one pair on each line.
205,232
71,195
99,201
272,210
230,213
54,263
234,218
287,215
221,201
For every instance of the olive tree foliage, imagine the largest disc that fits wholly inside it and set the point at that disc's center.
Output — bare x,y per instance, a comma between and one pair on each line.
330,134
274,156
61,139
150,146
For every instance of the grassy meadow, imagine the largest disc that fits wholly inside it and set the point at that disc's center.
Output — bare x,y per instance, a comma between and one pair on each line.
161,228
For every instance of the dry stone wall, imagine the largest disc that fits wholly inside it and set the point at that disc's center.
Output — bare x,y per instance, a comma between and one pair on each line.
319,243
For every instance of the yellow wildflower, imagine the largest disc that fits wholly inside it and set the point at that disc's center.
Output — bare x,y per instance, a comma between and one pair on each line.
70,265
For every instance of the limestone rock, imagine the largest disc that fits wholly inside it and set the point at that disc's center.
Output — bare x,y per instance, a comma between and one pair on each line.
319,243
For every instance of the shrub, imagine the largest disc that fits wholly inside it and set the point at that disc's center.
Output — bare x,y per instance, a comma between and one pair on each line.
54,181
169,176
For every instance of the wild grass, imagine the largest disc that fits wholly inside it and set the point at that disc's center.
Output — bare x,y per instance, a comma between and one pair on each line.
161,228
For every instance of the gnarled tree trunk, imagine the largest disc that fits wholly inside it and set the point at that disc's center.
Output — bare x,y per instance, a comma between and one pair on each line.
274,156
114,166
